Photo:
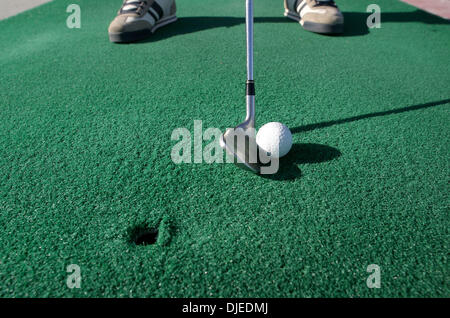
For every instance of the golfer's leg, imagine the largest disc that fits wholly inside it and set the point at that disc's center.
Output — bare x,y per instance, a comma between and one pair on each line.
137,20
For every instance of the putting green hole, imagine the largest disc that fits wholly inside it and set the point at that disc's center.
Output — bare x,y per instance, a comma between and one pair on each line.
144,236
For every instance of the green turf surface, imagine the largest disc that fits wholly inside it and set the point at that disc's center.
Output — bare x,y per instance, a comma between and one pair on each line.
85,162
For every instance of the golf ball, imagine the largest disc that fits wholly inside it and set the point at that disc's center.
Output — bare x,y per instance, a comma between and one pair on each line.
275,139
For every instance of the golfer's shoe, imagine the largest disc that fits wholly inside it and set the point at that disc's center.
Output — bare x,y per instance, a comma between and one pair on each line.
319,16
137,20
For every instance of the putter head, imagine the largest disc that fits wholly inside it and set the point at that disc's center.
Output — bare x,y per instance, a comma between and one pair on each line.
240,142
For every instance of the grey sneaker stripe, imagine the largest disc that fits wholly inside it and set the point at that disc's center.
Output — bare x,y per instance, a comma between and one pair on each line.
296,4
155,6
153,14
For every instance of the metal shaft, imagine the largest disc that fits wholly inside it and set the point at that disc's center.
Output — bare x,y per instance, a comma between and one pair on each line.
249,26
250,118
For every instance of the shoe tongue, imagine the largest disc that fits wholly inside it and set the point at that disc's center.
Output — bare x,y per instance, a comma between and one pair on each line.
130,6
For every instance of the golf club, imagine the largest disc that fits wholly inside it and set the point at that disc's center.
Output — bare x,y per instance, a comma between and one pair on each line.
240,141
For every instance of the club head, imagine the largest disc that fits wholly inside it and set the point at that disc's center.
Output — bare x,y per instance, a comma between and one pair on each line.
240,142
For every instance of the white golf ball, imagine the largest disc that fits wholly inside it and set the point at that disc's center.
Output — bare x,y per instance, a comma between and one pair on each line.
275,139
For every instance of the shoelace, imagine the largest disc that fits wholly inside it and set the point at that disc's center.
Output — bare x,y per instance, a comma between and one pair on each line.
133,6
324,3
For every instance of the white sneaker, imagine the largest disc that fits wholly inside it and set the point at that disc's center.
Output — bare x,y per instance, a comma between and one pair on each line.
319,16
137,20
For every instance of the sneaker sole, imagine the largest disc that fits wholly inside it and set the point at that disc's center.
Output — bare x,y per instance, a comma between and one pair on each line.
315,27
127,37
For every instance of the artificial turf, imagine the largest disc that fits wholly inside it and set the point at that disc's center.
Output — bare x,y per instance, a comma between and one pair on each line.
85,165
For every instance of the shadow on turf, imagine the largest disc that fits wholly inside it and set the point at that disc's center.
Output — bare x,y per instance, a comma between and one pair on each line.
302,154
315,153
365,116
186,25
355,23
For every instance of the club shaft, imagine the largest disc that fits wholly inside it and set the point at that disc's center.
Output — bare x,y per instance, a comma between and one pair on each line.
250,118
249,27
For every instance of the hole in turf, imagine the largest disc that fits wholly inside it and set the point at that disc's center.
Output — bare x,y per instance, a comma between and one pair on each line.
144,236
